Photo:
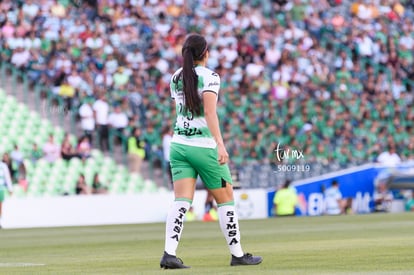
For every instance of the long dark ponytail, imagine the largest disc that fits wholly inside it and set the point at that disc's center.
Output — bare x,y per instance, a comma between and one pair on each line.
194,49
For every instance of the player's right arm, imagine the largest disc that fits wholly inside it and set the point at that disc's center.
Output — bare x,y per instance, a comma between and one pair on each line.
210,114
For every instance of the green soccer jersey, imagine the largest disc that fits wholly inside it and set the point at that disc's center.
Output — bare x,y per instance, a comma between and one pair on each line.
190,129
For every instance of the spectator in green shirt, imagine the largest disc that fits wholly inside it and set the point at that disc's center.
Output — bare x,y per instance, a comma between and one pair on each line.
409,206
136,151
35,153
285,200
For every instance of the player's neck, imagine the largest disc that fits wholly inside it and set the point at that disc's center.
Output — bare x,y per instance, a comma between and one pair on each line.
200,63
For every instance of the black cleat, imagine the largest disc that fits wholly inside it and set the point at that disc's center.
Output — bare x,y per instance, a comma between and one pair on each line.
171,262
246,259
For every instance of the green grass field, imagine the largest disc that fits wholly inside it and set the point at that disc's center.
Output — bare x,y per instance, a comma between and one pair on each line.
359,244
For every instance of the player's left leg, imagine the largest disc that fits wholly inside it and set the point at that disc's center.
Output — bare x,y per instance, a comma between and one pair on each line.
217,179
184,177
184,192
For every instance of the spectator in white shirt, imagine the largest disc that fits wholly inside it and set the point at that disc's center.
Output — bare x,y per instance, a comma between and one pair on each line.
104,78
343,60
30,9
111,64
389,157
365,45
74,79
135,58
87,117
64,63
334,203
94,42
118,120
101,111
17,155
407,40
20,58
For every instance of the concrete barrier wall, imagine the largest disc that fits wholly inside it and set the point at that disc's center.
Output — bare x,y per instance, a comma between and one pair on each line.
115,209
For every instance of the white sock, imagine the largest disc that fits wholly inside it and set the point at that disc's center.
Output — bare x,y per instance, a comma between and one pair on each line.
229,223
175,224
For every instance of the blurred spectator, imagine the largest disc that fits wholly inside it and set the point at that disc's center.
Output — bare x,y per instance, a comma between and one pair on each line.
190,215
22,176
97,186
20,58
382,198
35,153
30,9
136,150
118,120
285,200
67,92
210,208
389,157
152,144
67,150
74,80
12,169
16,156
36,67
135,100
101,111
84,148
334,203
51,150
82,187
121,77
87,117
409,205
166,144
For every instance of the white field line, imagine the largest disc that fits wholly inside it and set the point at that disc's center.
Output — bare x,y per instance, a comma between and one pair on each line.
20,264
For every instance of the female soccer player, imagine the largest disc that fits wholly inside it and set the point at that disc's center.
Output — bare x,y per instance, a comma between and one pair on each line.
197,148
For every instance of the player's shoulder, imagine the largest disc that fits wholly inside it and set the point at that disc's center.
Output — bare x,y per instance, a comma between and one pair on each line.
177,72
175,75
206,72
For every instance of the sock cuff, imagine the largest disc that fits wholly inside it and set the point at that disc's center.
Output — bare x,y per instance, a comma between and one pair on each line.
184,199
231,203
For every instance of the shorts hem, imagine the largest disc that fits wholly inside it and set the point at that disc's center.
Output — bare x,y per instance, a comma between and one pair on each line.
183,177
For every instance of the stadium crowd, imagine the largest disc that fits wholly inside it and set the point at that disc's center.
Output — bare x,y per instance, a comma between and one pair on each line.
333,79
